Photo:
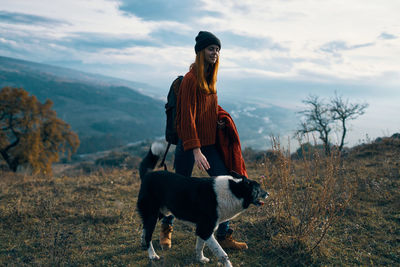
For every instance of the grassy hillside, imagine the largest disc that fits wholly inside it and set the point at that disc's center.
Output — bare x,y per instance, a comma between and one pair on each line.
91,219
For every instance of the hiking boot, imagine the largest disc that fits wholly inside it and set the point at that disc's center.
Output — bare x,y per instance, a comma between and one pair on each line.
228,242
165,236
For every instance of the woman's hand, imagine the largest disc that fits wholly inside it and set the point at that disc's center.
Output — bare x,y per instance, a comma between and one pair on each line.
200,160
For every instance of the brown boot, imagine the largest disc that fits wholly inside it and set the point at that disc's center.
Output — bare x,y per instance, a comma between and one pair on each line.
228,242
165,236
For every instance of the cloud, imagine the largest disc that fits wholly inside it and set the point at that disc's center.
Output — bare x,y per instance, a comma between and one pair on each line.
336,47
161,10
231,39
288,40
387,36
95,17
8,42
21,18
310,40
70,29
99,41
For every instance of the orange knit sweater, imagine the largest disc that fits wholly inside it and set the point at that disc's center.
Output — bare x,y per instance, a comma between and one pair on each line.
197,114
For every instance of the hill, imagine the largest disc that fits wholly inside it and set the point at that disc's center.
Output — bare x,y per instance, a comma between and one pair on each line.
103,114
91,219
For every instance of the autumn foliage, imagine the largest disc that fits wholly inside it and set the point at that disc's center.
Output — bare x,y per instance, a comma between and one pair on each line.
30,132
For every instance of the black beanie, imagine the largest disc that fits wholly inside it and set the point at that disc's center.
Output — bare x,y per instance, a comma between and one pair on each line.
204,39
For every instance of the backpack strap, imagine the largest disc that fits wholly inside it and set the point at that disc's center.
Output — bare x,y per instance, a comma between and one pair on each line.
162,164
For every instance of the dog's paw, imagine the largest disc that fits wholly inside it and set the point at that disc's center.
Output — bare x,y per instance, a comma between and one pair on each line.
154,257
225,262
204,260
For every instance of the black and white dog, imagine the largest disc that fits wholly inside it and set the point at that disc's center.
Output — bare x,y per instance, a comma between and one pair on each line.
206,202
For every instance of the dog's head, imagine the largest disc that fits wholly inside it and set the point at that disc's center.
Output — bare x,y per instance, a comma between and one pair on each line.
249,190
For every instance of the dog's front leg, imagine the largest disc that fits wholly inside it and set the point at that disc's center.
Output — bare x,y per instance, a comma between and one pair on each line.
199,251
216,248
152,254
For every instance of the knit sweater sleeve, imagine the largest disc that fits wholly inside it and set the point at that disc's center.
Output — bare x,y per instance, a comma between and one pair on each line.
187,106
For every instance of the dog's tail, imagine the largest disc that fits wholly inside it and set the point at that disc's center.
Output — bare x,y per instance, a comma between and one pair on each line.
149,162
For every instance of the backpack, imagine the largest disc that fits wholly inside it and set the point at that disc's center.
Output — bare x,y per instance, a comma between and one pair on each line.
171,134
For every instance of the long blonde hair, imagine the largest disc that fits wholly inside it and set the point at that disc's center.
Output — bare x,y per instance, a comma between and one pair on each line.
207,84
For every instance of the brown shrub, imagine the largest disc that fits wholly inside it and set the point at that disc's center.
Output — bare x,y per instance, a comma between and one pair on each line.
308,196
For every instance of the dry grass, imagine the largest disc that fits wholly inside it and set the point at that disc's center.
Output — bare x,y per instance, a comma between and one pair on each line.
91,219
308,197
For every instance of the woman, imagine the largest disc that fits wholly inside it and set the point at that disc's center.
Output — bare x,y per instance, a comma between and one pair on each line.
197,116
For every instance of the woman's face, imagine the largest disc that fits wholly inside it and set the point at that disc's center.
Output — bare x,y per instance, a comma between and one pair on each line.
211,54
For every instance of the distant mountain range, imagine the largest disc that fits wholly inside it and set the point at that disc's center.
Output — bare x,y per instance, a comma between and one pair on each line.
107,112
103,114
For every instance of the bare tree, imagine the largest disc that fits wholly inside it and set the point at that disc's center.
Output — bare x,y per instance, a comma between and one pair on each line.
342,111
317,118
320,117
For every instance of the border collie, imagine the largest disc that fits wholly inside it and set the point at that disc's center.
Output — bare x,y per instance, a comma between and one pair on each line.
206,202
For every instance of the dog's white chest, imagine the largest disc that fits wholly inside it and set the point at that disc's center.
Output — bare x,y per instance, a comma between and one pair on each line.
229,206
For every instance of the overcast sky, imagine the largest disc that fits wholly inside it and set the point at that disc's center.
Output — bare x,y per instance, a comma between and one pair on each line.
277,51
